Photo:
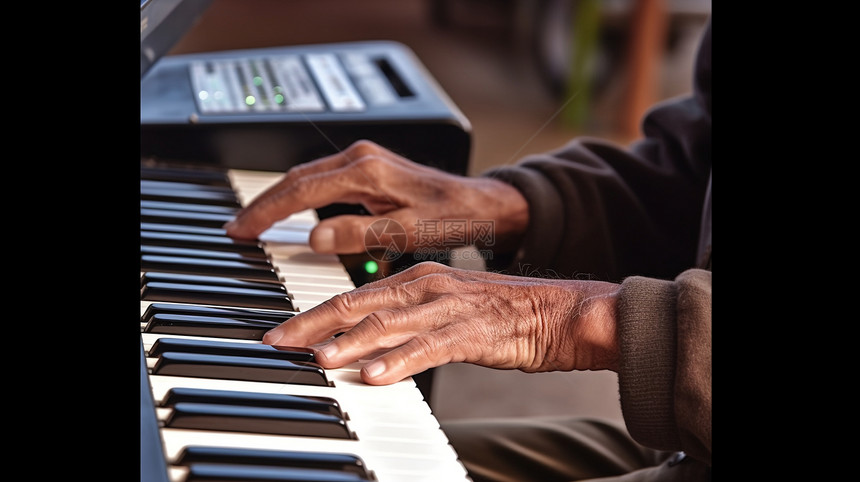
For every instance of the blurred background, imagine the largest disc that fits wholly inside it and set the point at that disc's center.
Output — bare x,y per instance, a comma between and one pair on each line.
529,75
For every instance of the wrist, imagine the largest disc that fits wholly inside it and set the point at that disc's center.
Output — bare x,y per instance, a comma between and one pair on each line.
593,324
507,209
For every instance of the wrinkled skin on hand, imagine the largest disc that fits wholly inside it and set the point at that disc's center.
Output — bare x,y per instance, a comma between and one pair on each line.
388,186
432,314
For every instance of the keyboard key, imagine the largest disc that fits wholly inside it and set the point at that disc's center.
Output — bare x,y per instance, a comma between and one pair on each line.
195,175
218,327
250,473
212,220
273,316
179,228
154,193
156,276
216,295
340,462
252,399
187,240
238,418
203,253
256,271
239,368
188,206
210,347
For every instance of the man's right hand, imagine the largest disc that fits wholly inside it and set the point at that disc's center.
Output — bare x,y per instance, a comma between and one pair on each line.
388,186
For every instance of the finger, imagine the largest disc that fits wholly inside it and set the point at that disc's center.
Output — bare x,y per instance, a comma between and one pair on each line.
345,184
317,166
404,361
337,314
267,208
328,163
385,236
384,330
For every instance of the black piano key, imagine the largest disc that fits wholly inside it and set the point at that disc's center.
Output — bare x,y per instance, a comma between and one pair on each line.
216,311
191,175
252,369
215,295
188,206
324,405
185,187
261,271
218,327
239,418
256,473
187,240
223,185
341,462
212,220
179,228
194,279
203,253
215,198
210,347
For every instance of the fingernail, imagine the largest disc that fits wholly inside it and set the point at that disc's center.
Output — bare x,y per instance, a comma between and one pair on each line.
329,352
271,337
374,369
322,239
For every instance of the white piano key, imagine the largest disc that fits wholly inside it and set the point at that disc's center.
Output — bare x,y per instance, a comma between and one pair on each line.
289,236
302,254
305,279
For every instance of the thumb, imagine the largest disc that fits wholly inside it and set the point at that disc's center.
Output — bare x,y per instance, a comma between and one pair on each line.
351,234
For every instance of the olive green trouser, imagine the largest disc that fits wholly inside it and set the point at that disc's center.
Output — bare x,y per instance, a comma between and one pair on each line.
550,449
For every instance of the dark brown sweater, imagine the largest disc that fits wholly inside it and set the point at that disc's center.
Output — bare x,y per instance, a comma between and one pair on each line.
640,216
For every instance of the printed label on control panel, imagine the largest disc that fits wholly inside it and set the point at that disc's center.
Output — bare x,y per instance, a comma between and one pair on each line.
334,83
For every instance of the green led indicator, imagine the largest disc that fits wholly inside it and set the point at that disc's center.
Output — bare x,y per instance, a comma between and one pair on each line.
258,81
371,266
250,100
279,98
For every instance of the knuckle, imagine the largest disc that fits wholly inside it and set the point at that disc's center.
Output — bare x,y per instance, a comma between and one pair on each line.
297,171
426,268
370,165
302,171
436,286
425,348
342,303
362,148
402,294
377,322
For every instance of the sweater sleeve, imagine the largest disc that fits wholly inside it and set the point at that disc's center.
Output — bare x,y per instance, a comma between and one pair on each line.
600,211
664,378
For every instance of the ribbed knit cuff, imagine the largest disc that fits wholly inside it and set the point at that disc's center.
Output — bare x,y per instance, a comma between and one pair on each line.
646,377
